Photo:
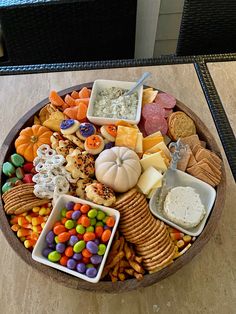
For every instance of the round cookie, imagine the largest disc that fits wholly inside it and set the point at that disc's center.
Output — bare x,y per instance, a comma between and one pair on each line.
100,194
180,125
109,132
125,196
85,130
69,126
132,209
94,144
122,207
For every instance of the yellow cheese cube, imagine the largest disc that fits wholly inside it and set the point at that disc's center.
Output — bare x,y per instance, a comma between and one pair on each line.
126,137
139,143
149,142
149,179
156,160
158,133
160,146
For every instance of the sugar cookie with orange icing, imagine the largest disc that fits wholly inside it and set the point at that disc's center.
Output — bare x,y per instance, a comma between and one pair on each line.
109,132
94,144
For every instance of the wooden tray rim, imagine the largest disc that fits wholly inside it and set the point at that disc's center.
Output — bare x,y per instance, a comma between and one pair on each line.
103,286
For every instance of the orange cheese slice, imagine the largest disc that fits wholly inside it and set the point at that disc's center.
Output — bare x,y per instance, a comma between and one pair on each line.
149,142
126,137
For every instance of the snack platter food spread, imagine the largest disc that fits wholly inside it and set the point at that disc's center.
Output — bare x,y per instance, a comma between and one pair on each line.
77,194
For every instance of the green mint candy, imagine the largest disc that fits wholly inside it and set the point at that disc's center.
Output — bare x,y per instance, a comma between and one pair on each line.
12,180
17,160
7,186
19,173
8,169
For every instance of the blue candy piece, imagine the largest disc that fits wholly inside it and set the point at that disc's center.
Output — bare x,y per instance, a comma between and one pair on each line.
46,251
71,263
52,246
91,272
66,124
77,256
73,240
108,145
92,247
81,268
96,259
75,215
60,247
70,205
50,237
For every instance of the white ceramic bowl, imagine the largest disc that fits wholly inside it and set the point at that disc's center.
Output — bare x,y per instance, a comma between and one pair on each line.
98,85
207,195
54,216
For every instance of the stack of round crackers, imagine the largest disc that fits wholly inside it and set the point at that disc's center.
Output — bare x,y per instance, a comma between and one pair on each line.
149,235
21,199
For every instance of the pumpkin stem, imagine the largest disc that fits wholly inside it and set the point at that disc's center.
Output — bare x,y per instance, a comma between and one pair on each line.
33,139
119,162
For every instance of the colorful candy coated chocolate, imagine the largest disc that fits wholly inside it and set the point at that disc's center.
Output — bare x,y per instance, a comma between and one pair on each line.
91,272
54,256
92,247
101,249
79,246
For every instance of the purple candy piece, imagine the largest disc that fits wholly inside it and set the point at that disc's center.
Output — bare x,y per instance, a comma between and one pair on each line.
70,205
52,246
73,240
47,251
97,241
66,124
75,215
106,227
92,247
91,272
96,259
109,145
50,237
81,268
71,263
77,256
60,247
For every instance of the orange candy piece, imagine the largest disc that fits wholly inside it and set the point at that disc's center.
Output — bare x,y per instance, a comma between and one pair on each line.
84,93
64,220
84,208
77,206
85,221
75,94
77,112
99,231
55,99
110,221
72,231
89,236
106,235
69,100
63,237
86,253
69,214
69,251
59,229
63,260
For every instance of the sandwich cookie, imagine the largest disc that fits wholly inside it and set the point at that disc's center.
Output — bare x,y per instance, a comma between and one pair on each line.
94,144
85,130
69,126
109,132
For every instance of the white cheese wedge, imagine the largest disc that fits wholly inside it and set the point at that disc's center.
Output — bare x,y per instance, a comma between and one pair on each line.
183,206
139,143
156,160
161,146
153,190
149,179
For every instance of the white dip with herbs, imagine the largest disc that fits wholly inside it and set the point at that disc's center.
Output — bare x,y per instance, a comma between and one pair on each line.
110,103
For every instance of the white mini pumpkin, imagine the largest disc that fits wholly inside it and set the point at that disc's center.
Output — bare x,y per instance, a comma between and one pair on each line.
118,168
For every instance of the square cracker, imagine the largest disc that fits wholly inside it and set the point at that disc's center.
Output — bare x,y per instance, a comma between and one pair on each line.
183,162
206,153
192,161
214,169
191,140
195,149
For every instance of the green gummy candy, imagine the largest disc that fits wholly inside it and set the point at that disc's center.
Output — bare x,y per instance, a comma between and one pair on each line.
54,256
8,169
17,160
101,249
19,173
79,246
100,215
7,186
12,180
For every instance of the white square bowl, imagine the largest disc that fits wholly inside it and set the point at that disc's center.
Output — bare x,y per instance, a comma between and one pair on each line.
207,195
56,215
99,85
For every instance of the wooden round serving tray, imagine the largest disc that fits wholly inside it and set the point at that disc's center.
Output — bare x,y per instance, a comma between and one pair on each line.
107,286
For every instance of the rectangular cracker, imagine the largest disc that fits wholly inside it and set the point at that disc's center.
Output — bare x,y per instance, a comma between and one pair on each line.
192,161
183,162
214,169
203,144
196,148
206,153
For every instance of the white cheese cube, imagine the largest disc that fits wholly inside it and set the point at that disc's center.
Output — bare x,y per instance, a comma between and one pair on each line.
149,179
